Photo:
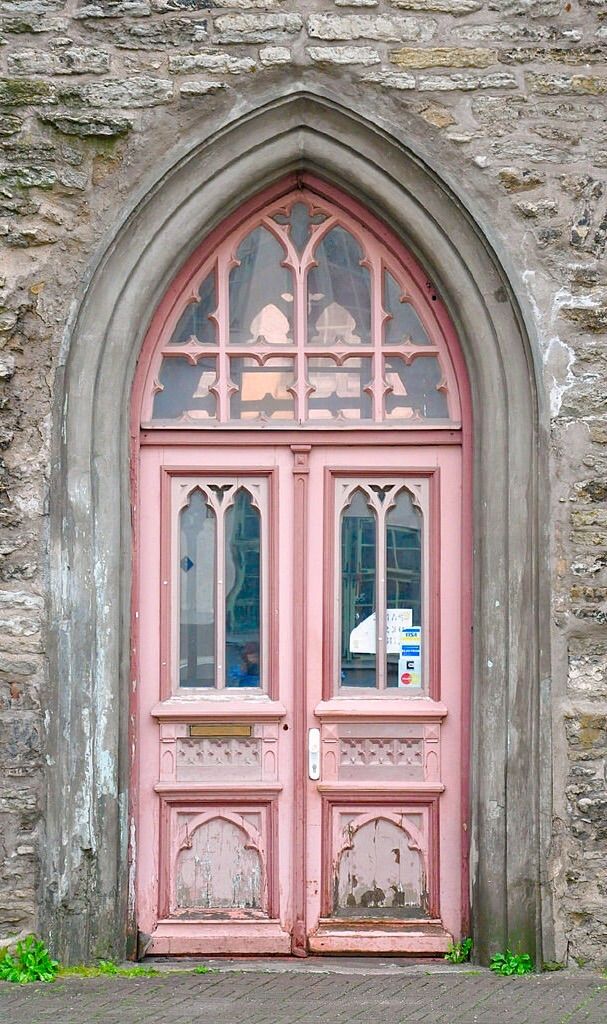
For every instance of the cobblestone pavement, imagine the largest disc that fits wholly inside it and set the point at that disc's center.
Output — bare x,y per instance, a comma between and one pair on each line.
335,993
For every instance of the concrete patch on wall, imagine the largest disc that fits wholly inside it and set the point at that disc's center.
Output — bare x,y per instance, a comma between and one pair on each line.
559,359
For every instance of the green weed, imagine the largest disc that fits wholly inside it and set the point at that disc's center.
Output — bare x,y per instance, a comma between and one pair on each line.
511,963
105,967
30,962
459,952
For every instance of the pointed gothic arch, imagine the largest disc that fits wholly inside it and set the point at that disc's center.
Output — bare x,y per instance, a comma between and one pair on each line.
88,905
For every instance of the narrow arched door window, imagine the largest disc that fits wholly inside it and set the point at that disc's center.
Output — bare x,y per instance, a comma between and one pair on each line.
220,576
380,586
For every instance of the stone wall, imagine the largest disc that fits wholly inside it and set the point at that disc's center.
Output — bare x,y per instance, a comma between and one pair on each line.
507,100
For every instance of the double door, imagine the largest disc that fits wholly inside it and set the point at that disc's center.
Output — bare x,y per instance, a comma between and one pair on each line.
298,760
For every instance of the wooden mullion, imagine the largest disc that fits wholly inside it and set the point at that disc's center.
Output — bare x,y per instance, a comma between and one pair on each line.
377,321
381,599
223,336
220,613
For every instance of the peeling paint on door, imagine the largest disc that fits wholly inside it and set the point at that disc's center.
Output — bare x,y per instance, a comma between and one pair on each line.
218,867
380,873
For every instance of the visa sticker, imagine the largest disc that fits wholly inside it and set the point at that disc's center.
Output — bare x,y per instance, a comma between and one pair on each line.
410,658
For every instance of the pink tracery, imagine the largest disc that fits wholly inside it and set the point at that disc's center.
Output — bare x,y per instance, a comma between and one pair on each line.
302,315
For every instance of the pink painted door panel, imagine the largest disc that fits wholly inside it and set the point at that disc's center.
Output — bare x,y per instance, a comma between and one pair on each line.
384,821
214,752
286,588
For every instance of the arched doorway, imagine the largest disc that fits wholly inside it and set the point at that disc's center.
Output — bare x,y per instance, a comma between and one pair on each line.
303,602
89,902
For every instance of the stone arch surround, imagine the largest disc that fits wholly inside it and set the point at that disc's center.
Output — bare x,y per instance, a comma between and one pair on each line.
88,903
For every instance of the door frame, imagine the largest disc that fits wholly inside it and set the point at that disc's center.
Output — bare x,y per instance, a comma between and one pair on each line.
87,903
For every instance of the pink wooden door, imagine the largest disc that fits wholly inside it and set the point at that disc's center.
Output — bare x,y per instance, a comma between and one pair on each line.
383,859
250,841
215,751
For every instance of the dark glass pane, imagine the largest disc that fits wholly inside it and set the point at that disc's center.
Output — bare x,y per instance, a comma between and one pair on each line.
261,292
262,391
339,292
358,590
338,391
403,573
197,544
415,393
243,590
194,321
404,324
300,223
185,389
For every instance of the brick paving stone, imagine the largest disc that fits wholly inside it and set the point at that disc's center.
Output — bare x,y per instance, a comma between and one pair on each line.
252,996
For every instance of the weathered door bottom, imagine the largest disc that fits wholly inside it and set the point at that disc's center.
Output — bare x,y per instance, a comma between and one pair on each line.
395,937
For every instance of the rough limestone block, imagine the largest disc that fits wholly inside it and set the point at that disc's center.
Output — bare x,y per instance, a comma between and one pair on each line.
234,5
515,180
10,124
459,7
113,9
590,319
343,55
151,35
30,8
74,60
255,28
360,26
87,125
447,83
28,177
530,8
390,79
201,87
209,60
143,91
587,676
563,54
269,56
21,92
36,24
443,57
553,85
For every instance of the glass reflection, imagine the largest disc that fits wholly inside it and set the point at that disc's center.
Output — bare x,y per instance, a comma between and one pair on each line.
404,324
358,590
194,321
262,391
260,292
338,391
197,560
339,292
414,389
185,389
403,569
243,588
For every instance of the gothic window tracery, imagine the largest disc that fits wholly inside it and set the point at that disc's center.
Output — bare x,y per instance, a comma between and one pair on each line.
302,316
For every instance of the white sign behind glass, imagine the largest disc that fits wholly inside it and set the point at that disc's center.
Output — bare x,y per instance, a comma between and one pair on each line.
362,637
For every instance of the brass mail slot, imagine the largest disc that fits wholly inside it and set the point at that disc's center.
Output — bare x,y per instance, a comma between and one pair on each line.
221,729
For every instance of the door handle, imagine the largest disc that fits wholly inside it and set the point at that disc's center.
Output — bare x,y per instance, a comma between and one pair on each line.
314,754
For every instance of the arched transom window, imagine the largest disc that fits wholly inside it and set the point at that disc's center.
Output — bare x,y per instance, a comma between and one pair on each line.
305,313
